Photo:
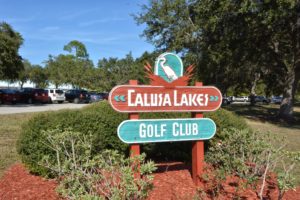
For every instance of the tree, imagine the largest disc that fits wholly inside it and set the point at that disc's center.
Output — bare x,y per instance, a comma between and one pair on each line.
114,71
24,74
10,60
38,76
57,69
231,41
74,68
78,47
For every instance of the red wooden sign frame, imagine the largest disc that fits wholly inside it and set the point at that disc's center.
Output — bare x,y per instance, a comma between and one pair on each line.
147,98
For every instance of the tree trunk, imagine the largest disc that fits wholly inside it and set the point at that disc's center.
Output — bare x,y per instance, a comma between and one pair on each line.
254,83
253,88
21,84
286,107
293,76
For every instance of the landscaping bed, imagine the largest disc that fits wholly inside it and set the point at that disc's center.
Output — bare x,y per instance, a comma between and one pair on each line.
171,181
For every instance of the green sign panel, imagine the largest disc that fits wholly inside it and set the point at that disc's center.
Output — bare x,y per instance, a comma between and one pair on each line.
166,130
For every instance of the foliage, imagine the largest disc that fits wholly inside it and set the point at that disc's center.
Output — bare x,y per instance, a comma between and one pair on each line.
237,151
251,156
114,71
78,47
10,60
102,121
24,74
106,175
76,69
56,68
233,43
285,177
38,75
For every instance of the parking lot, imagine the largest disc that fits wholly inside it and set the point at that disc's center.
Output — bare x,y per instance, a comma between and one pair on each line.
25,108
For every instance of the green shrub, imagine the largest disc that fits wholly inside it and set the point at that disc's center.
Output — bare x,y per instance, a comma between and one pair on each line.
106,175
102,121
252,156
240,151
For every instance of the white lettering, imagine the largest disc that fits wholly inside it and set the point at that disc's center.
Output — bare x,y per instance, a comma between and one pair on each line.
163,129
160,99
142,130
153,99
200,99
175,126
139,100
146,103
167,100
175,98
150,130
129,97
184,100
206,99
195,129
164,99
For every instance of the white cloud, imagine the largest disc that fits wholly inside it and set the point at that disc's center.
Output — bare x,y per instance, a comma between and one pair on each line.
105,20
18,20
76,14
49,28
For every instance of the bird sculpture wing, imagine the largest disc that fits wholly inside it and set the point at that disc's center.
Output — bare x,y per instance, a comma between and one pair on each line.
156,80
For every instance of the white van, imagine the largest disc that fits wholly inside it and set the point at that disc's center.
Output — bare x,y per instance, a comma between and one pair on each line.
56,95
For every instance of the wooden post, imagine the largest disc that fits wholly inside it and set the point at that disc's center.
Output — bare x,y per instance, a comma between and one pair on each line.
134,148
197,152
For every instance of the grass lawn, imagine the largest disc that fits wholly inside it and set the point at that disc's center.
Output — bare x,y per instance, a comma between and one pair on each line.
262,118
10,128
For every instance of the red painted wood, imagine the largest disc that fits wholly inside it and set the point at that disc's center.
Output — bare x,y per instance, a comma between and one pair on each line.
158,93
134,148
197,152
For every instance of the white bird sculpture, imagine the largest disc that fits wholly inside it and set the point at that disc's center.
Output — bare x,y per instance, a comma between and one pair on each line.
167,69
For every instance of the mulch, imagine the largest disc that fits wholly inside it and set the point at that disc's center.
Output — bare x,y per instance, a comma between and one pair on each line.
172,181
18,184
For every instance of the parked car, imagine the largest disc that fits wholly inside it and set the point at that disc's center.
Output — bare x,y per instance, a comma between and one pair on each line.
9,96
96,96
56,95
104,95
276,99
261,99
240,99
226,100
33,95
77,96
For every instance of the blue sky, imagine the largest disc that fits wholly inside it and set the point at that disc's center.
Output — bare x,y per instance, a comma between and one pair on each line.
106,27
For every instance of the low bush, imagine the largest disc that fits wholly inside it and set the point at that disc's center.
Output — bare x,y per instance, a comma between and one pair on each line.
252,156
101,121
105,175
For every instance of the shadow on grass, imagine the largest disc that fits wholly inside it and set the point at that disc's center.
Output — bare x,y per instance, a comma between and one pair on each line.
264,113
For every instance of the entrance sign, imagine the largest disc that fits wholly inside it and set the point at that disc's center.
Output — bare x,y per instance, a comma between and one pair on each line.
166,130
168,92
168,66
143,98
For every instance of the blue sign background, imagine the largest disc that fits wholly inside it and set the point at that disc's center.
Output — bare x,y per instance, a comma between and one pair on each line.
129,130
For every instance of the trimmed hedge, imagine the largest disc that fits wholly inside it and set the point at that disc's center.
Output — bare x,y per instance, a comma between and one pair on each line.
101,121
